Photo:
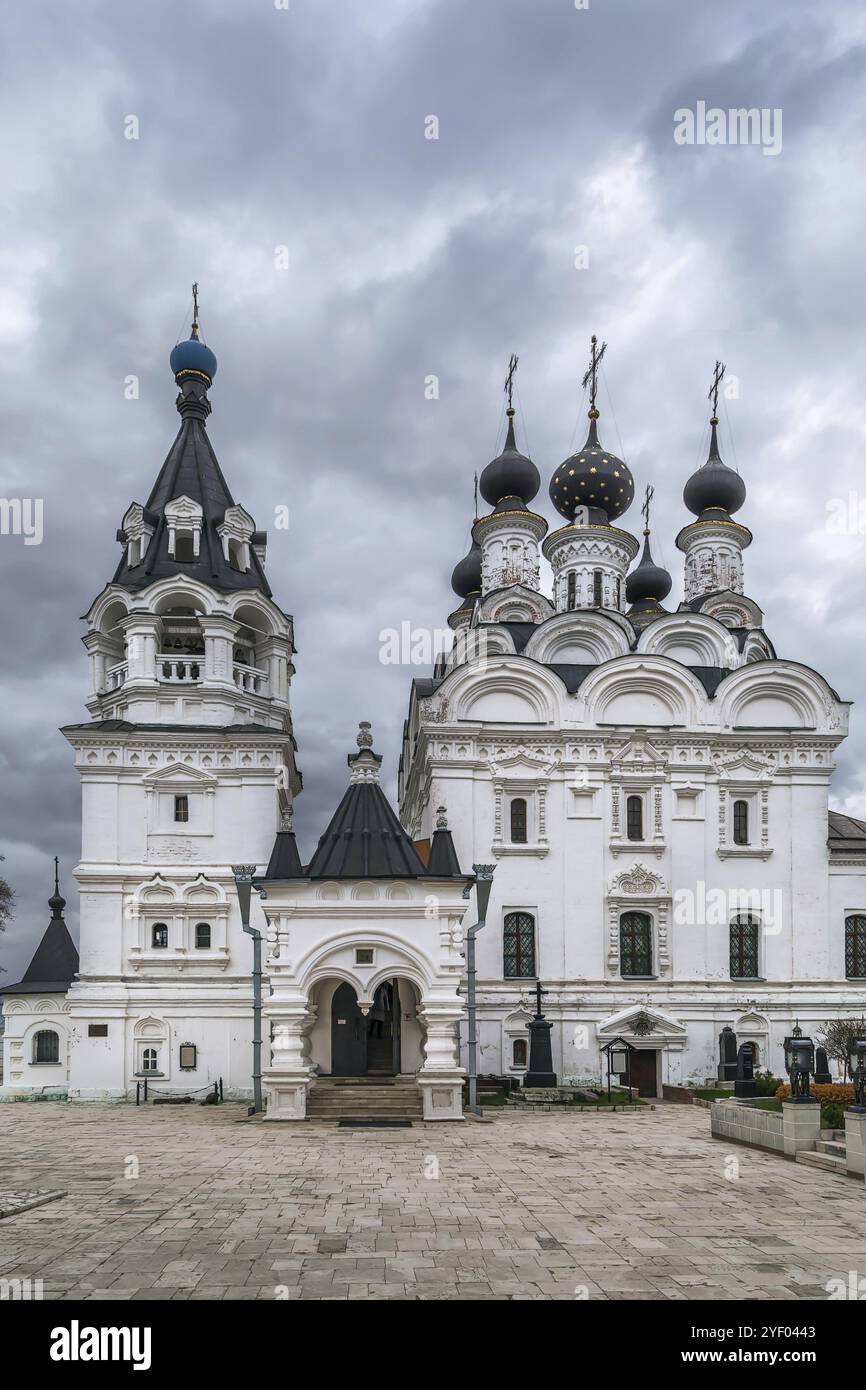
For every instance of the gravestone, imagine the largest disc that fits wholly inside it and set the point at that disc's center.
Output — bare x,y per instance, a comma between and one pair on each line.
540,1071
822,1068
727,1054
744,1085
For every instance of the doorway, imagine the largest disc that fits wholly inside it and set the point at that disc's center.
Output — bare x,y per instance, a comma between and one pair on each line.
365,1046
644,1072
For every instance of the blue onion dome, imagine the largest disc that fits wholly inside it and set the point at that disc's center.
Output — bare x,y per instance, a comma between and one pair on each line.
466,577
648,580
512,474
715,487
193,356
594,478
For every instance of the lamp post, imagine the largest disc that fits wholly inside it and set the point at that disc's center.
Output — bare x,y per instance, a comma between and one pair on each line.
243,882
483,884
800,1064
857,1065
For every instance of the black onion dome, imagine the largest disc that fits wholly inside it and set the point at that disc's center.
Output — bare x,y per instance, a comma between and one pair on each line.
593,477
649,580
715,487
466,576
512,474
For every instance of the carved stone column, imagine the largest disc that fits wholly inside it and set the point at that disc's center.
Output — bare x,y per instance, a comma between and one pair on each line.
441,1077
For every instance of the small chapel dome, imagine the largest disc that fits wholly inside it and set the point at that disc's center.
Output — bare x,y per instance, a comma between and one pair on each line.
715,486
193,356
466,576
512,474
648,580
594,478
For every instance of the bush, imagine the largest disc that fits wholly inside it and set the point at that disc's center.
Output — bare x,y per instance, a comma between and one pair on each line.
832,1116
766,1084
836,1094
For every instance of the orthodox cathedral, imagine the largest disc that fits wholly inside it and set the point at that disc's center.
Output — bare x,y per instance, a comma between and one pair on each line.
648,787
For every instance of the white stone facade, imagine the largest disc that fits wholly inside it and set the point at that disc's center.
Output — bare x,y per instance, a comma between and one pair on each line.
679,724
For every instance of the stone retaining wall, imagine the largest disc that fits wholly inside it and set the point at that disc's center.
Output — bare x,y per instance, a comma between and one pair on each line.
745,1125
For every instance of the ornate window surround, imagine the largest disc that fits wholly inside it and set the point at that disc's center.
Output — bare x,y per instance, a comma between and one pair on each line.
753,788
535,796
639,889
637,768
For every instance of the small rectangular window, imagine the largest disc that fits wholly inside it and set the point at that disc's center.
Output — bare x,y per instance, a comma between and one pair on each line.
184,550
518,821
97,1030
741,822
634,818
181,808
364,955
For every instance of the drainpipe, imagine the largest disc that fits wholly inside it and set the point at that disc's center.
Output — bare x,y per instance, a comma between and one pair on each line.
483,884
243,882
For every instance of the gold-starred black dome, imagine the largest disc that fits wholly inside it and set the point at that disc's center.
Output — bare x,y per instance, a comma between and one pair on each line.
594,478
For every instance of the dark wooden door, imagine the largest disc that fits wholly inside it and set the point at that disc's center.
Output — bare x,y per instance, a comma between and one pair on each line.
348,1034
644,1072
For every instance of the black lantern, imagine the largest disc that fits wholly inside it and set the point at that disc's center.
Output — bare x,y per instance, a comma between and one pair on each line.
857,1065
800,1065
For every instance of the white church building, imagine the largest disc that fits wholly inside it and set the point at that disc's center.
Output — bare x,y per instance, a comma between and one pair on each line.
651,786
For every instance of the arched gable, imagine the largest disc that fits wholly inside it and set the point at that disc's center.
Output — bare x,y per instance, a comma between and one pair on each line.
693,639
643,690
779,694
580,637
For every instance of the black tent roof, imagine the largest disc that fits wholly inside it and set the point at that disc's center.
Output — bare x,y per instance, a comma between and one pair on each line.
191,470
55,962
364,838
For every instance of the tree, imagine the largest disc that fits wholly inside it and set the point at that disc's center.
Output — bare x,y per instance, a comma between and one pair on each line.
836,1035
7,902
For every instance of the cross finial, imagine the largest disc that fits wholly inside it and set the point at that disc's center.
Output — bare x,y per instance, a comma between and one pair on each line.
509,380
591,375
56,876
476,496
713,394
645,509
194,333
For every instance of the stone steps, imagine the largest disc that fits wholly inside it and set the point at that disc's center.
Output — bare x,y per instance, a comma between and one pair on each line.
832,1163
836,1147
360,1099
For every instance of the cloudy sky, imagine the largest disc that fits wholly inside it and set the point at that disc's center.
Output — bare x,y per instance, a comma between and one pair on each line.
261,127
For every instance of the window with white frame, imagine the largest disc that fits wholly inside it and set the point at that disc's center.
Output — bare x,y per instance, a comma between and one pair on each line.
46,1048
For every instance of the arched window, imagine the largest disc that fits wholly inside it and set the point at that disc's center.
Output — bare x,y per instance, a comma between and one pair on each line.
744,947
519,946
184,546
159,936
518,1052
572,588
741,822
202,936
855,946
635,944
237,557
596,588
619,594
518,821
149,1059
634,817
46,1047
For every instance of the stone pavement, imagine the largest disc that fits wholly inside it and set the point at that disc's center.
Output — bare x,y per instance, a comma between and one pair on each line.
198,1202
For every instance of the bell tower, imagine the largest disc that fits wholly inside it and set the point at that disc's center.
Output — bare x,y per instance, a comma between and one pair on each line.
187,766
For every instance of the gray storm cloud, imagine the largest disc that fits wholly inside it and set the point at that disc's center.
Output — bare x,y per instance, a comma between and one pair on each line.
303,128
